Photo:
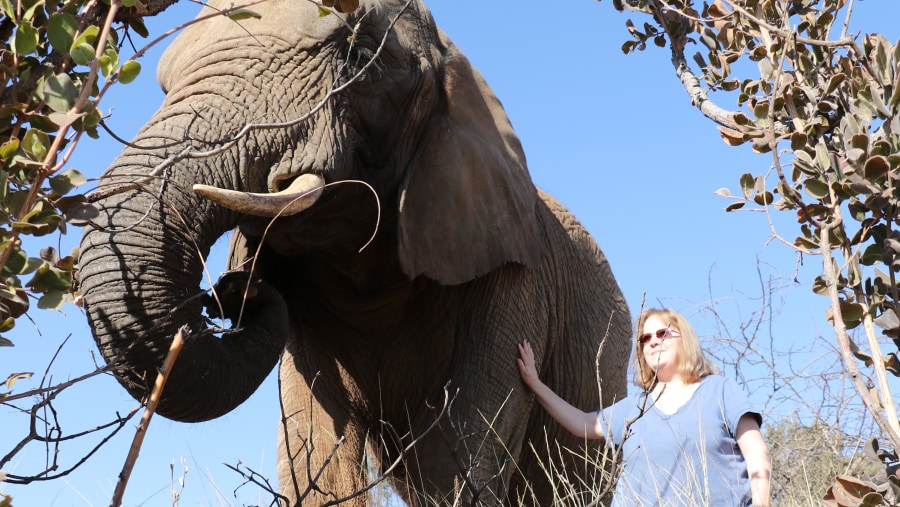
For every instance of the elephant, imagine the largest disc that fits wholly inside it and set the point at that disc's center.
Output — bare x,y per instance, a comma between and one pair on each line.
388,251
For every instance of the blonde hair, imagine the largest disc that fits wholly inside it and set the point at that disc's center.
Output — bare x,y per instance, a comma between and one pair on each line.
693,363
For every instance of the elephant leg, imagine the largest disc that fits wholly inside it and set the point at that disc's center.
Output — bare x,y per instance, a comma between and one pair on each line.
470,458
319,458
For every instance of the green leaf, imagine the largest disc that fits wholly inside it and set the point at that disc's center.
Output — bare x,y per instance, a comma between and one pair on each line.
5,342
748,184
7,324
820,287
129,71
65,181
816,188
761,112
81,214
883,61
804,156
8,293
29,228
35,144
7,7
242,14
109,61
61,31
64,119
46,279
52,300
38,222
29,12
852,313
9,149
128,3
25,38
82,54
888,320
873,254
16,262
823,158
137,26
88,36
834,82
59,92
798,141
855,155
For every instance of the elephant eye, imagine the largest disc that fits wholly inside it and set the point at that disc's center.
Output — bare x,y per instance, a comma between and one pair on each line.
358,56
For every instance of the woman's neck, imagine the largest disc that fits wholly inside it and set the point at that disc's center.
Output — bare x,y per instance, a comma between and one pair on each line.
669,376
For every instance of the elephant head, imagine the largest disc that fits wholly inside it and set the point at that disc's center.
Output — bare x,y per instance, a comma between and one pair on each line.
258,107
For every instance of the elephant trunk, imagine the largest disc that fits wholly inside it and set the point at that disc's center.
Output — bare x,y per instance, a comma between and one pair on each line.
140,270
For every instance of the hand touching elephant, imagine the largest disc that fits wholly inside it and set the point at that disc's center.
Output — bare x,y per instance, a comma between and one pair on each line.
467,259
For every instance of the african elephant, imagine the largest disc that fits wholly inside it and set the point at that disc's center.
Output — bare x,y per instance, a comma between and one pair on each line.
372,306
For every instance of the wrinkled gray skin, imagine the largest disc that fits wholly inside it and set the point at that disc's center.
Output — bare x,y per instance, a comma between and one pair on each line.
468,258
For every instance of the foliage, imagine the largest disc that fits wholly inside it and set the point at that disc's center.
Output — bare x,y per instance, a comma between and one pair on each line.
826,113
850,491
805,460
56,62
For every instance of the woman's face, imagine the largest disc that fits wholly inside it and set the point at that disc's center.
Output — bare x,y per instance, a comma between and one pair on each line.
659,346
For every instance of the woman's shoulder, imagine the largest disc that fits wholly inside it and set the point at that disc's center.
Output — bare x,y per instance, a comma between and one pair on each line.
734,400
718,383
633,400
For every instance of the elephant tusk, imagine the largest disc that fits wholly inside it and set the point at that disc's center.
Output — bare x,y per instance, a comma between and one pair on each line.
301,194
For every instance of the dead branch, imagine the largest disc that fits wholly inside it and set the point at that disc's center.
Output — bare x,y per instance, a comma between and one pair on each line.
141,430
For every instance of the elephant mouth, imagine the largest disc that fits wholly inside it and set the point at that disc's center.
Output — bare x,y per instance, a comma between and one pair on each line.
302,193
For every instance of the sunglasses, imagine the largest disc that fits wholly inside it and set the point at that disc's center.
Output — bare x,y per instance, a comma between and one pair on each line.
662,334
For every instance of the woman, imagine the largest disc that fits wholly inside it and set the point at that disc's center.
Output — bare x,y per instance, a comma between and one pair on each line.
688,438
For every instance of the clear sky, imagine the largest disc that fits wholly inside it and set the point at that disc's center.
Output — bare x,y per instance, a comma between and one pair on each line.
613,137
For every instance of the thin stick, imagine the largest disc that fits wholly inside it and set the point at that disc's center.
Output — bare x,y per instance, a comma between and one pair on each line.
141,429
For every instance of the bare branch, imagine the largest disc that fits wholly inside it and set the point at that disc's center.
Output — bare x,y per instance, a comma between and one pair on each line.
141,430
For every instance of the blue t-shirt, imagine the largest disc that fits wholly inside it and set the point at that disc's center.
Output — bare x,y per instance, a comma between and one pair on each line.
689,458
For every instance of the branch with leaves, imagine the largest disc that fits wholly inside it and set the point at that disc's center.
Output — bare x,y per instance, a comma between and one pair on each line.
828,112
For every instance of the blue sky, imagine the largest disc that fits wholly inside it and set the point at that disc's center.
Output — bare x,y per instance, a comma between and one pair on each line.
613,137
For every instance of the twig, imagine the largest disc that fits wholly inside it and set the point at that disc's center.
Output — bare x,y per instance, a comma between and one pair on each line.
141,430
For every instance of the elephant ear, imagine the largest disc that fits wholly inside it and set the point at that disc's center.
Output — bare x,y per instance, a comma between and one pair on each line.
468,203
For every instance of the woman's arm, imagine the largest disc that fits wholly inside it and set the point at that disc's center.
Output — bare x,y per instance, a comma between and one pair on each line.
580,423
756,454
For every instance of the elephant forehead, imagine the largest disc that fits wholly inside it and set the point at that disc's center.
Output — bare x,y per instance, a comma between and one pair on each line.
295,22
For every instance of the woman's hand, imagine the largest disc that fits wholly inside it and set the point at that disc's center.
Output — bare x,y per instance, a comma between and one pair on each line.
580,423
526,364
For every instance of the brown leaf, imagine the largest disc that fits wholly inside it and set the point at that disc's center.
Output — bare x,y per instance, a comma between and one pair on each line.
731,137
342,6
